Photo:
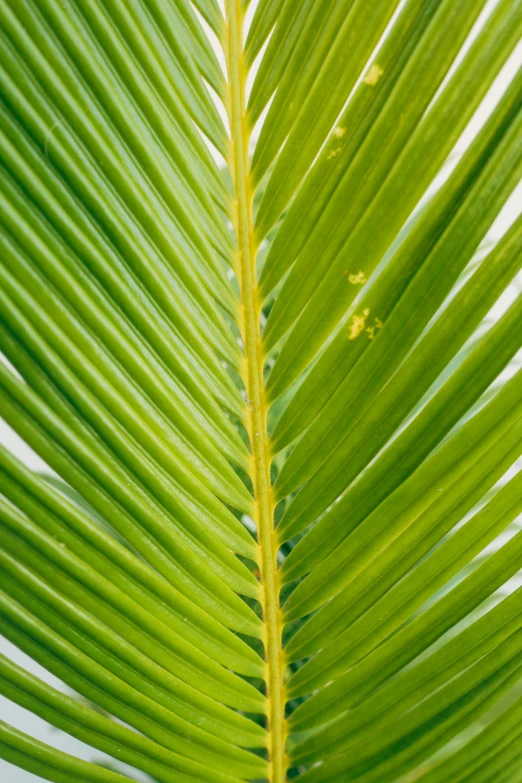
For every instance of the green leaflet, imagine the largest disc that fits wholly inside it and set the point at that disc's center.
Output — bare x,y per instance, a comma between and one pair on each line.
395,399
96,478
198,343
174,504
439,618
395,336
150,714
344,41
264,19
210,11
413,685
92,102
275,62
362,110
180,17
505,653
98,313
97,729
447,489
121,283
445,472
71,577
250,336
73,528
394,465
342,355
456,704
50,338
346,250
170,700
494,740
51,764
399,598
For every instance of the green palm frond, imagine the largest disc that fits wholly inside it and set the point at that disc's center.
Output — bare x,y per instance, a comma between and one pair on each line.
278,528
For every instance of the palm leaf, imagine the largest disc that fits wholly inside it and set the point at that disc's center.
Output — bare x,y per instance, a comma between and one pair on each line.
280,531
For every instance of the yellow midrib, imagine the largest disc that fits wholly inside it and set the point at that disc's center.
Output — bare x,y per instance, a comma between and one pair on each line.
253,378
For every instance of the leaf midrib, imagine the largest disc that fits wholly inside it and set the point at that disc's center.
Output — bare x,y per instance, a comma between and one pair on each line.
253,379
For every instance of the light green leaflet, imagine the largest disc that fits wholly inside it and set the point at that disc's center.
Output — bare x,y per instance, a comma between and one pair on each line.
277,536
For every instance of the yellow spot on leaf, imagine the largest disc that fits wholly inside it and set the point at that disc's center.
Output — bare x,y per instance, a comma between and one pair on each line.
333,154
373,75
371,330
339,132
357,279
358,324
